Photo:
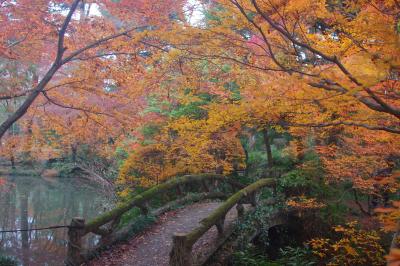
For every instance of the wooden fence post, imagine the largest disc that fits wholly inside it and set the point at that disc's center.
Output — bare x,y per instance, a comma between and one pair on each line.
220,225
240,212
205,186
74,256
181,253
179,190
253,199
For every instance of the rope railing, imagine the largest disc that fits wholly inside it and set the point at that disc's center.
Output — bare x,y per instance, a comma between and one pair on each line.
37,229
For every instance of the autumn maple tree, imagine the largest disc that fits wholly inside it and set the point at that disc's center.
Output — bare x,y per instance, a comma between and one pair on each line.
307,91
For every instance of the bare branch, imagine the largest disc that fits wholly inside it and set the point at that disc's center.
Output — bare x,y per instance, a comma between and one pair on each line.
371,102
355,124
271,53
100,55
9,97
73,107
96,44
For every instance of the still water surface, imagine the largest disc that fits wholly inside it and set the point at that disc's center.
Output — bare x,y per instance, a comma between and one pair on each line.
33,202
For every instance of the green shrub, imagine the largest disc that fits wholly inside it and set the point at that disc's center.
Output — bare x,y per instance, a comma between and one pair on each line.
296,256
129,216
137,225
7,261
250,257
294,179
141,223
289,256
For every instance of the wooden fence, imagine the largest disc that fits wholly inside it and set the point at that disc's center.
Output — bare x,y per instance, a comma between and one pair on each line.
106,224
181,253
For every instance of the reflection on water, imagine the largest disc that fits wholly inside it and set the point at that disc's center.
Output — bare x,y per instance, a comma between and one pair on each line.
33,202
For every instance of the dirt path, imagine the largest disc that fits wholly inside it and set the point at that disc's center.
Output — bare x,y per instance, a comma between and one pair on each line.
152,247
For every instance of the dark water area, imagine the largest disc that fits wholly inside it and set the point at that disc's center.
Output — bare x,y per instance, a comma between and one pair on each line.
34,202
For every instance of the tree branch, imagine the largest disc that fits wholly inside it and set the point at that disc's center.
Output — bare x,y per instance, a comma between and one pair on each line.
96,43
385,107
61,34
46,79
338,123
57,64
73,107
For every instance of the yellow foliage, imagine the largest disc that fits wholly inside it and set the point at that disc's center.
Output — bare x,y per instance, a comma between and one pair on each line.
303,203
354,247
389,216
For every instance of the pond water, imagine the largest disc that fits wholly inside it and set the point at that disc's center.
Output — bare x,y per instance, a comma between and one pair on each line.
34,202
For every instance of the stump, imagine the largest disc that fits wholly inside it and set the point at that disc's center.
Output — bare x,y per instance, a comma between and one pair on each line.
181,253
75,232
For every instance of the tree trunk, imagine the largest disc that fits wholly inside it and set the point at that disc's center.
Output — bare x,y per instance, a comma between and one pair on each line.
270,162
12,160
246,153
357,201
74,151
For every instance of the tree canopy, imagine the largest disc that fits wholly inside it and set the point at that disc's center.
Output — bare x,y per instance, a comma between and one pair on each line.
160,89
